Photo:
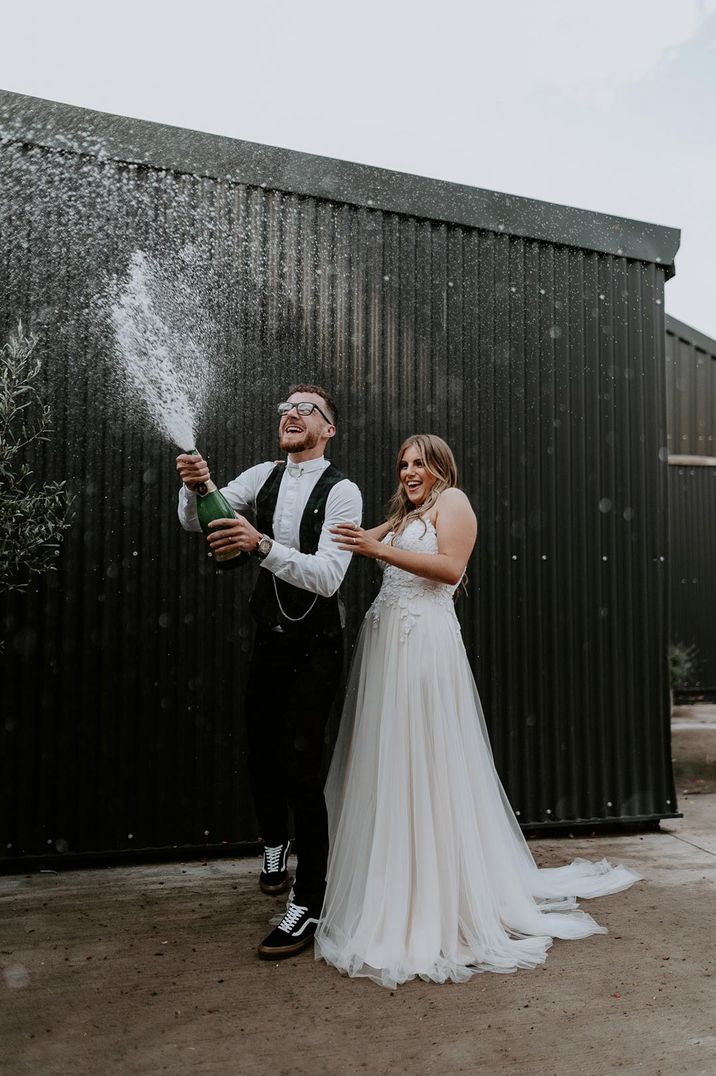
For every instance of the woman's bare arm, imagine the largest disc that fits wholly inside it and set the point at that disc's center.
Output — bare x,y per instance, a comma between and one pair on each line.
456,528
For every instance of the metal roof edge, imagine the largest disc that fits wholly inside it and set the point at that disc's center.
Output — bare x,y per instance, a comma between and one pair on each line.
71,129
691,335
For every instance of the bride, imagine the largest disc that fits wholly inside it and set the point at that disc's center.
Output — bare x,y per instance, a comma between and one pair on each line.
429,873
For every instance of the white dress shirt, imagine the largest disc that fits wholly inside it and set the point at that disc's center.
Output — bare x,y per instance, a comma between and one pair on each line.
321,572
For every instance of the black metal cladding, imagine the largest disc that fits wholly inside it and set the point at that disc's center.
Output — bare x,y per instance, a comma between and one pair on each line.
690,390
692,515
691,414
541,363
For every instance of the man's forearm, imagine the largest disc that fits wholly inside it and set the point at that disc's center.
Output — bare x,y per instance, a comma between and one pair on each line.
318,573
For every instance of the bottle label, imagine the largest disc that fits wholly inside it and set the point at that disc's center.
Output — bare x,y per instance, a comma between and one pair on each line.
229,555
205,489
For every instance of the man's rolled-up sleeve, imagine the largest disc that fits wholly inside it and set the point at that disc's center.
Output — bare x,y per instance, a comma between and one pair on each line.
240,493
321,572
186,509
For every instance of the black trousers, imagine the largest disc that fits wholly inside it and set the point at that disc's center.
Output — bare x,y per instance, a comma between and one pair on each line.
292,684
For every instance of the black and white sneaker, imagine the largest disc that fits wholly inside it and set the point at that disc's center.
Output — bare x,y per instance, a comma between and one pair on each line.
274,877
293,933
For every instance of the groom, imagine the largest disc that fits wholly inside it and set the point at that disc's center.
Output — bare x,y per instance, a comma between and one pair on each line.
298,650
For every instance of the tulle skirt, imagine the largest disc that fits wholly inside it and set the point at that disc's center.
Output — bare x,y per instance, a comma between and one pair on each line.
429,874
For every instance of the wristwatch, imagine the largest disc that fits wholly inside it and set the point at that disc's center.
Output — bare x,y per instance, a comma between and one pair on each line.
263,547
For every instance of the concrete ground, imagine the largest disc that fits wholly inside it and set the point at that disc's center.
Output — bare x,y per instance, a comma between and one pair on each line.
152,969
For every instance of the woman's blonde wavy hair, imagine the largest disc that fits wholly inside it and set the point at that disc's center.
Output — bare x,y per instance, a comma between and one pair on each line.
440,462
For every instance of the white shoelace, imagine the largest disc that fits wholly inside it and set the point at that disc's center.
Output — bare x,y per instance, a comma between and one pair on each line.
292,916
272,858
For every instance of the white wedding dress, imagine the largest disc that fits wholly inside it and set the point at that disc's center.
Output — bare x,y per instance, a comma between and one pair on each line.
429,873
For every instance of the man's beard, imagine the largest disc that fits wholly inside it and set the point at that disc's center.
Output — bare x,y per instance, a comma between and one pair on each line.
303,444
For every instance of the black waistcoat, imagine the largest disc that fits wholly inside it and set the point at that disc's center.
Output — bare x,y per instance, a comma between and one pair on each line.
322,615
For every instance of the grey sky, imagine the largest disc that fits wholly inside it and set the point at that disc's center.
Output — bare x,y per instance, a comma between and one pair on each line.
607,106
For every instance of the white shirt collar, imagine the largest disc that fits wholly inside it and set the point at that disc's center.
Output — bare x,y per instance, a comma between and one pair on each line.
295,470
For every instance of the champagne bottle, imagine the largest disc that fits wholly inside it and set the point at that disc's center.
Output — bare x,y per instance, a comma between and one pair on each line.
212,504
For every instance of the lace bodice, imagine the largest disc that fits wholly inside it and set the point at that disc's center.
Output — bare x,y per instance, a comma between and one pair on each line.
409,594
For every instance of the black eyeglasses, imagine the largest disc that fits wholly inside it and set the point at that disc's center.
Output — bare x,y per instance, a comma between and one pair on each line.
303,407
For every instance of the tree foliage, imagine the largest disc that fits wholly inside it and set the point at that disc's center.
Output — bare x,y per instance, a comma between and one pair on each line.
682,663
33,515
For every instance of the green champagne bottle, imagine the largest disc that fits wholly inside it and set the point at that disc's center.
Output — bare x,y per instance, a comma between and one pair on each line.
212,504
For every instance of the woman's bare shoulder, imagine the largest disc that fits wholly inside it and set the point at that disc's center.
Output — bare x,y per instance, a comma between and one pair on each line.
453,506
453,498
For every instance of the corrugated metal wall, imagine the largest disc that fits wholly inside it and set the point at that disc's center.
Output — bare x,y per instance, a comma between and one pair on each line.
692,512
541,364
691,411
690,390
